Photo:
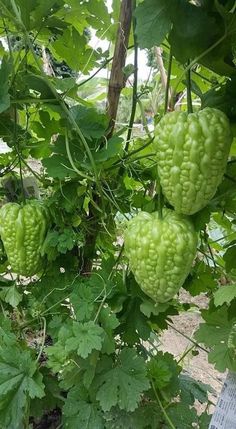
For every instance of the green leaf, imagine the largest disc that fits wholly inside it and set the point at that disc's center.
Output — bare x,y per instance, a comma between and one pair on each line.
66,240
215,334
222,97
57,353
56,357
201,218
182,416
135,323
124,384
52,398
93,124
58,167
11,296
111,150
147,416
230,258
188,44
87,337
192,389
5,70
159,370
19,378
204,420
153,22
27,11
79,412
149,307
163,370
46,127
225,294
99,17
109,323
65,46
82,300
202,280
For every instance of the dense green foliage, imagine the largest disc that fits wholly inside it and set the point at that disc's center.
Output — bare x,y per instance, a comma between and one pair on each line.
160,252
80,342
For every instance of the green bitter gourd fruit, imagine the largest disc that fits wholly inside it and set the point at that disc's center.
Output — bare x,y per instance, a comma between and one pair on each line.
192,151
23,230
160,252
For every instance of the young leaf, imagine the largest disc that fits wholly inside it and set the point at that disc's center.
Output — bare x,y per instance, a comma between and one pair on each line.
163,370
82,300
86,337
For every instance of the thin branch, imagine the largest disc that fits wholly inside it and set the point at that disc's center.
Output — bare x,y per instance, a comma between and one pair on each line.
167,418
187,338
135,85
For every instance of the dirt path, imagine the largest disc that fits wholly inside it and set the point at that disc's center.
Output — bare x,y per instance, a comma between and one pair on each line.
175,343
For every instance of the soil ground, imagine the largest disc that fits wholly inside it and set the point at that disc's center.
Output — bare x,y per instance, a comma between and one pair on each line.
175,343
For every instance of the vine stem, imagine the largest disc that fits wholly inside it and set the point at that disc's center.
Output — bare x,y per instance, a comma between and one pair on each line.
162,408
38,177
128,155
43,341
19,156
185,354
189,95
167,91
71,159
187,338
144,120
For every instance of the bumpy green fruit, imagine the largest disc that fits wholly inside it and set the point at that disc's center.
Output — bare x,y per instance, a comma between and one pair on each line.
23,230
160,252
192,151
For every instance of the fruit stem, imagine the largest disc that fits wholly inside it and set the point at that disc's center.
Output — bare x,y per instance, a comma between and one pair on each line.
188,85
160,199
168,98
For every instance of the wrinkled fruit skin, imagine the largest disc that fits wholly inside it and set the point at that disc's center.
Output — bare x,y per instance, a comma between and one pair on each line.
23,230
160,252
192,151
